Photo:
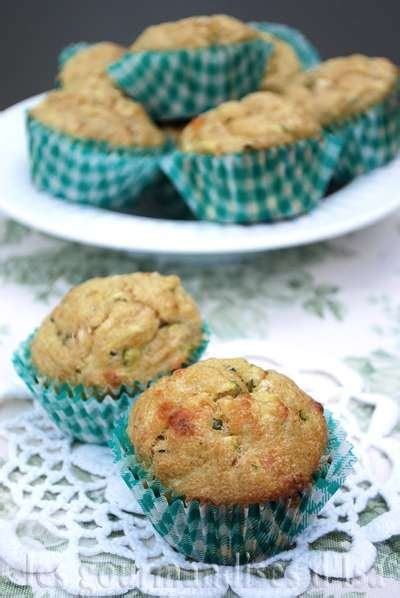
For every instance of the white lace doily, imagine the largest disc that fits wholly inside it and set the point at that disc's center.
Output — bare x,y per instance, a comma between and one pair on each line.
68,522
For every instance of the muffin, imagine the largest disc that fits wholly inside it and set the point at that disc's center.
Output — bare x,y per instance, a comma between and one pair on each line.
179,69
344,87
283,64
357,97
90,144
224,442
89,61
261,158
104,343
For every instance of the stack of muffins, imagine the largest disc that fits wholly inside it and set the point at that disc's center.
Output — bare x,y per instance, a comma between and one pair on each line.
229,462
241,118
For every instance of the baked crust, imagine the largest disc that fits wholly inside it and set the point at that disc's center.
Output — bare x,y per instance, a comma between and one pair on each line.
194,32
343,87
90,62
117,330
227,432
97,111
259,121
283,64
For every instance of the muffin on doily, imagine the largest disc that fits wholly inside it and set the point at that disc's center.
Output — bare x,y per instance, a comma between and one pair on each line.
357,97
228,461
79,61
104,343
181,68
90,144
261,158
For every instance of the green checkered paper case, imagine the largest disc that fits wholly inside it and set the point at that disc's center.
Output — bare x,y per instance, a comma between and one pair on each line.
306,52
370,139
84,413
253,186
236,534
88,172
177,84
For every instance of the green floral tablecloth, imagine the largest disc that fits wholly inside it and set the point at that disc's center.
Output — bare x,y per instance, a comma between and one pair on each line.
339,299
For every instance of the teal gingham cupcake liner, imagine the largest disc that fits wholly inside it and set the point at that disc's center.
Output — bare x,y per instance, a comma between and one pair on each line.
88,172
253,186
179,84
80,412
370,139
236,534
306,52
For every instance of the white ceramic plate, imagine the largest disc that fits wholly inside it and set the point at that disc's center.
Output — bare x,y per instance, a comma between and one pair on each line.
363,202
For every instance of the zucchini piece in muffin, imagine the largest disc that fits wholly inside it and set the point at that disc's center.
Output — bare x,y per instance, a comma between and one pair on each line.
230,462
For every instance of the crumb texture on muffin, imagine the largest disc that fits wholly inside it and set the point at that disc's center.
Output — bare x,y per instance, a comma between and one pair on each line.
227,432
194,32
116,330
260,120
97,111
343,87
90,62
283,64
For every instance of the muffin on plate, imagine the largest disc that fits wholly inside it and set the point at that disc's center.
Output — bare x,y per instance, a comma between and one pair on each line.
106,341
357,97
90,144
283,64
229,462
261,158
179,69
79,61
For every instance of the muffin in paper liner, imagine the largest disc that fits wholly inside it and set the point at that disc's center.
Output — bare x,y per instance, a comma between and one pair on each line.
254,186
233,534
306,52
370,139
86,171
177,84
84,413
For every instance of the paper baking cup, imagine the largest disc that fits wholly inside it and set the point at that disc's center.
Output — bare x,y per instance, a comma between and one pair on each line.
370,139
84,413
255,186
236,534
177,84
306,52
88,172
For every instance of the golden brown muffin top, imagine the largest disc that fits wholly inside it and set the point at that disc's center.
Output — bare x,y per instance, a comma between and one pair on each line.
343,87
90,62
260,120
194,32
116,330
283,64
97,111
227,432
